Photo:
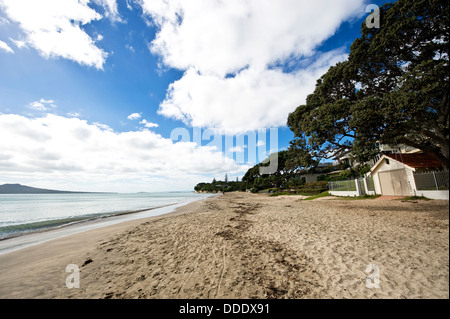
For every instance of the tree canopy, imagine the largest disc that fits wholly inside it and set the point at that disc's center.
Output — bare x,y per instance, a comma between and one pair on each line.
394,88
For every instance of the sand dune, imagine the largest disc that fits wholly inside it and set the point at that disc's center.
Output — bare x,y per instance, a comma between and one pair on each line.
248,246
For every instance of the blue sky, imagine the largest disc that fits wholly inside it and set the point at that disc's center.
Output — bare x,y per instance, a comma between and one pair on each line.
73,73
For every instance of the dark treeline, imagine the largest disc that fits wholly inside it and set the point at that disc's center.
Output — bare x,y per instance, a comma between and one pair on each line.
285,178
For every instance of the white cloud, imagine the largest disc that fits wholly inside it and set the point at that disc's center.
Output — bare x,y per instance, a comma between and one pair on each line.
41,105
236,149
94,157
148,124
38,106
129,7
46,101
3,21
222,37
134,116
19,43
130,47
4,46
251,100
111,10
103,126
54,28
228,50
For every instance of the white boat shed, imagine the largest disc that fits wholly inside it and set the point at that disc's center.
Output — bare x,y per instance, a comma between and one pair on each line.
396,175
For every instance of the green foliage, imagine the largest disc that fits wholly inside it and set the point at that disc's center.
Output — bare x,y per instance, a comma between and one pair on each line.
359,197
362,170
394,88
307,189
220,186
341,176
281,178
253,180
323,177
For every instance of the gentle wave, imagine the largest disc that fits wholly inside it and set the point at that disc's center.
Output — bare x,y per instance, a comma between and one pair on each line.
21,229
26,214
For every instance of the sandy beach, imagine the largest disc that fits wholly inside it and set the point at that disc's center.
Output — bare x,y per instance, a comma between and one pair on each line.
241,245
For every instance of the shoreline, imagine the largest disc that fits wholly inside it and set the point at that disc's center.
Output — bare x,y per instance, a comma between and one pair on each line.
26,239
77,221
247,246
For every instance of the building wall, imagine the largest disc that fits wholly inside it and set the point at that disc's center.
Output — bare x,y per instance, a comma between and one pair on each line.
383,148
444,195
393,165
376,182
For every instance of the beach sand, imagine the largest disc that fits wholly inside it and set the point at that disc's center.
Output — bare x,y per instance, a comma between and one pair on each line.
242,245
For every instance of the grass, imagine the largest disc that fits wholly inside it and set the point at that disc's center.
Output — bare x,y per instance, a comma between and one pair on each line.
289,193
323,194
344,198
358,197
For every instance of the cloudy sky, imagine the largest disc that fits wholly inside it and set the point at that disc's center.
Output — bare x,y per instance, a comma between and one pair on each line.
157,95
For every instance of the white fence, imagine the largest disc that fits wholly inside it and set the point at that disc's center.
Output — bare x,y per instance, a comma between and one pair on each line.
370,185
350,188
434,185
342,186
431,181
353,187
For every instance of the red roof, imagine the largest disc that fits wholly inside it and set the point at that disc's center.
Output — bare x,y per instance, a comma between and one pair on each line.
421,160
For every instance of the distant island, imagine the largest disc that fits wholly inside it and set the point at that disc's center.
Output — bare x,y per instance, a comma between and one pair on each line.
22,189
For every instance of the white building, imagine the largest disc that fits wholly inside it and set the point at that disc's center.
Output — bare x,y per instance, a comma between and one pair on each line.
349,159
397,175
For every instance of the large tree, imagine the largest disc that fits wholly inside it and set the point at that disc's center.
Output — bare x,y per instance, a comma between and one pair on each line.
276,179
394,88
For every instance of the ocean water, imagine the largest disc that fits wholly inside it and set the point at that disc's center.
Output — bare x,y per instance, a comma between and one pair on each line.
24,213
